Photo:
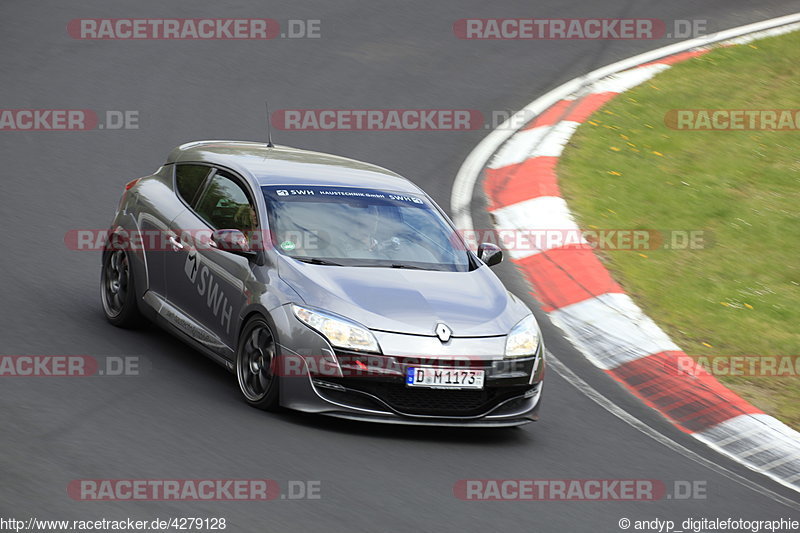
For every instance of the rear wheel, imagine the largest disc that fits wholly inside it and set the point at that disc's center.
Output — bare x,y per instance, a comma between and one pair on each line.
256,364
118,290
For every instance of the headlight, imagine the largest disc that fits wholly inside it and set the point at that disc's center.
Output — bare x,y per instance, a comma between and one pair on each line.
523,338
339,332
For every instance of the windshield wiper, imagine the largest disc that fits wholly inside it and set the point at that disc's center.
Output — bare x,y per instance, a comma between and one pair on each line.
317,261
412,267
395,265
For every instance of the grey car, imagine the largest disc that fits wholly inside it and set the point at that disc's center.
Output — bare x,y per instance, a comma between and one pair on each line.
325,284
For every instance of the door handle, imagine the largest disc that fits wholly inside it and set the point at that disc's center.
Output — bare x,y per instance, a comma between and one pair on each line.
176,246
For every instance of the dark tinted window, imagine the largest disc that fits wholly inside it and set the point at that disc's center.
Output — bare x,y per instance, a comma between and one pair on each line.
224,204
189,179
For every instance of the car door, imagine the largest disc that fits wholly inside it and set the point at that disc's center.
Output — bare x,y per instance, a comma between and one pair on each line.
205,283
155,216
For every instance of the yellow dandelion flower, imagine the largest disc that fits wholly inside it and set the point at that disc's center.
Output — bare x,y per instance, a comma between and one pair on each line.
642,255
614,173
748,306
614,148
659,154
707,345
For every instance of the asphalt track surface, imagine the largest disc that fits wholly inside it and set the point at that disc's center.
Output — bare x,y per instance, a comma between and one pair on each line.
183,418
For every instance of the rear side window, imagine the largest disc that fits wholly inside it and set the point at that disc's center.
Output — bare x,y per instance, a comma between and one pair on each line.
189,179
225,204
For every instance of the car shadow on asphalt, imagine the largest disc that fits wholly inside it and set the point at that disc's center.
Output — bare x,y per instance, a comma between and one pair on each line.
478,436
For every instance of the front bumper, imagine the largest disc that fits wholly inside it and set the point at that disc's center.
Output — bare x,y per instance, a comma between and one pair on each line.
393,403
372,387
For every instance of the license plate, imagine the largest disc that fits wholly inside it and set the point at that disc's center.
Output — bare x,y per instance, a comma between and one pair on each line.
444,378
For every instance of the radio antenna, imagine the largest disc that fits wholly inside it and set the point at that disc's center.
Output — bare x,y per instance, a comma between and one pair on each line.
269,126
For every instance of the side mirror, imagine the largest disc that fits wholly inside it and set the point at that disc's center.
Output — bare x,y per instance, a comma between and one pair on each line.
490,254
233,241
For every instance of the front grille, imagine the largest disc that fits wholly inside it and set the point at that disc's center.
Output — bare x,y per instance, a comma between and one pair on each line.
433,402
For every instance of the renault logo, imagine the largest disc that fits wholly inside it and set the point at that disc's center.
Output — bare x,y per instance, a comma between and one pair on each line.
443,332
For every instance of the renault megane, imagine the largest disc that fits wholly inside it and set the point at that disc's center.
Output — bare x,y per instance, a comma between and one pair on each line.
325,284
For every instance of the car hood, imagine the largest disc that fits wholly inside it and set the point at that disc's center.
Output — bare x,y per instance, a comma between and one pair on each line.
471,304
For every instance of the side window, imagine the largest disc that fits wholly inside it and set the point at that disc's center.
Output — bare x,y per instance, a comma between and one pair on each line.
189,179
225,205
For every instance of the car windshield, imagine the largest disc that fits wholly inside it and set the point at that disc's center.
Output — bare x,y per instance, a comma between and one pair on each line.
349,226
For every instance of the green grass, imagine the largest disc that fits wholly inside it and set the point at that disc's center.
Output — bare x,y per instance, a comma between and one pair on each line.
625,168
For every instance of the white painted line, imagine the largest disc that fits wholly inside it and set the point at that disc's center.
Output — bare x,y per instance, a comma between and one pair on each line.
766,33
538,225
619,83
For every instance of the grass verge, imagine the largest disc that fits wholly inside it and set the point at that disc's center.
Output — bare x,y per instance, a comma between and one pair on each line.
625,168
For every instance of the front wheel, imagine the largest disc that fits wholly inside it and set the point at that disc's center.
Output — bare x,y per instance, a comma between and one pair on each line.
256,364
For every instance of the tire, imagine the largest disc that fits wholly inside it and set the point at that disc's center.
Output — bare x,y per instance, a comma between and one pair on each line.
256,363
118,290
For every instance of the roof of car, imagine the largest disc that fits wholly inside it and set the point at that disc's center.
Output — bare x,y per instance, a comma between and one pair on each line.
284,165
